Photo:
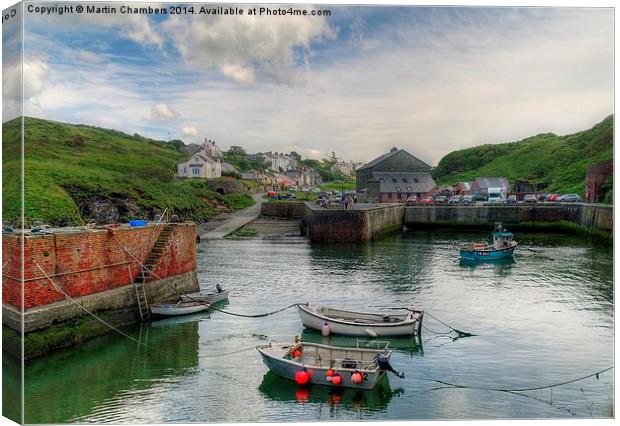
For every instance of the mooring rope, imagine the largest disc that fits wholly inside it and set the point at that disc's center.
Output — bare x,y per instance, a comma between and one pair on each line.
228,353
462,386
266,314
104,322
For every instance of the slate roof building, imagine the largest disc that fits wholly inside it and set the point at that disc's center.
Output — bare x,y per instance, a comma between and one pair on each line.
394,176
481,185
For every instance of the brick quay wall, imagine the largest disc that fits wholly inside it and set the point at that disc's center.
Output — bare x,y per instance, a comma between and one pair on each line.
94,269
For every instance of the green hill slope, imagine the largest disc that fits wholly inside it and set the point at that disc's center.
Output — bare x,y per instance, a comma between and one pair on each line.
75,172
559,162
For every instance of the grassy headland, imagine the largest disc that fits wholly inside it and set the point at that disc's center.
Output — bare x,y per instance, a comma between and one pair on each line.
559,162
72,169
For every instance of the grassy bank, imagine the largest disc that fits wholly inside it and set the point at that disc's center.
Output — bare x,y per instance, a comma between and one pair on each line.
558,163
73,172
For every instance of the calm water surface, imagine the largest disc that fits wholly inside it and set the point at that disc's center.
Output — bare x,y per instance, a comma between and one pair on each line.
544,318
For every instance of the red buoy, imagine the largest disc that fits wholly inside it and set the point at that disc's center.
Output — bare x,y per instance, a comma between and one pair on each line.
302,377
336,379
357,378
330,373
296,353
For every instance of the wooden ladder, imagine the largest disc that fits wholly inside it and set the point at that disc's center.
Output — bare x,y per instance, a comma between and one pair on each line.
146,272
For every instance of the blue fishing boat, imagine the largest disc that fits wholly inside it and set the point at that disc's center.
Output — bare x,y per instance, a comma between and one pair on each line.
503,246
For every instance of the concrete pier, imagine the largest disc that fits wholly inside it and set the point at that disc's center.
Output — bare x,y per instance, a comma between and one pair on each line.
365,222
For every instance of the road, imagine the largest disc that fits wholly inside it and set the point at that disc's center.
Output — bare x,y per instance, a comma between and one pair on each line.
235,220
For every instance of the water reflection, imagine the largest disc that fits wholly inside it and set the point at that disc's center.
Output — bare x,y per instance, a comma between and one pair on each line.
501,267
376,399
54,386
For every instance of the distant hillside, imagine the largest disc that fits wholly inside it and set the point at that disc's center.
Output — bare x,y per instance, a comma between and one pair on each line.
74,173
559,162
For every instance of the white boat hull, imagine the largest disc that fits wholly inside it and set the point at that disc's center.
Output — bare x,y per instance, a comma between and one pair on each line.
311,317
169,309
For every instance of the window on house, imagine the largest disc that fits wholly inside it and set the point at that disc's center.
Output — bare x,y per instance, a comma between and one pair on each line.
195,171
416,180
389,195
405,180
394,180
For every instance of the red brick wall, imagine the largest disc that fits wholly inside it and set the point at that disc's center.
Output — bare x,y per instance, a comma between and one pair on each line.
70,252
596,175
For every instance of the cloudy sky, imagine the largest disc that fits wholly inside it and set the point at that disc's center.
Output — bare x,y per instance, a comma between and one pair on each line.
358,82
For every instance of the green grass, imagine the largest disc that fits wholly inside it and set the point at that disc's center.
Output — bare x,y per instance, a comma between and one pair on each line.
348,185
558,162
68,167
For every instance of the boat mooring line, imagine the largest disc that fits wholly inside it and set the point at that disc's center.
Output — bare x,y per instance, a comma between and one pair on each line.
228,353
461,386
256,315
101,320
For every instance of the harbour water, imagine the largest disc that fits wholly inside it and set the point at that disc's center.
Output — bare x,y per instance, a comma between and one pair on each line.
544,318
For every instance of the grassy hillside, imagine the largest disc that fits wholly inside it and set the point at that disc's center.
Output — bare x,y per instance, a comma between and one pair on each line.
72,171
560,162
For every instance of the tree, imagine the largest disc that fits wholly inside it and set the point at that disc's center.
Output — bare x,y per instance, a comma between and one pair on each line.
177,144
261,162
236,152
295,155
333,157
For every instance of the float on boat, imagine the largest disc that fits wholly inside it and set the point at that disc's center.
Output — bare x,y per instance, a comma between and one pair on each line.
317,364
503,246
351,323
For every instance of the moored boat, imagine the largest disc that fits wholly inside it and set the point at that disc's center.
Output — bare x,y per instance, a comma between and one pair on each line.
313,363
211,297
167,309
351,323
503,246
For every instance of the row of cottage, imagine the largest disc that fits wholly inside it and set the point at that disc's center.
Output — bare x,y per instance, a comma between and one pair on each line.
206,162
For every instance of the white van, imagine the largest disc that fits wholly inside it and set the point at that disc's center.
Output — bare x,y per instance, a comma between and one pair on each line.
496,195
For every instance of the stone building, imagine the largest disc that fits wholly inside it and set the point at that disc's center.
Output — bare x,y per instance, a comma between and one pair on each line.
392,187
396,161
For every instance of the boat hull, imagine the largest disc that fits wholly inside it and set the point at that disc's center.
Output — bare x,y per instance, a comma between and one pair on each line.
488,254
315,320
287,369
170,310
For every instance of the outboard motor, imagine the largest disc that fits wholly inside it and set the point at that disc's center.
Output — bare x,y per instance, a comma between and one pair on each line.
384,364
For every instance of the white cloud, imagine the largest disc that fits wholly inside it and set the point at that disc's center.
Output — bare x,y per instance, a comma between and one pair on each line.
190,132
163,112
244,48
86,56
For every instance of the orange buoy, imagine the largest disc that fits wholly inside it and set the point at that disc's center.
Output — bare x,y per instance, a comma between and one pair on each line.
336,379
296,353
330,373
302,377
357,378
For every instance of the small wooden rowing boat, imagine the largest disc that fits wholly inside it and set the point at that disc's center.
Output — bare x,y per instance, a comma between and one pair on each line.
313,363
338,321
211,297
168,309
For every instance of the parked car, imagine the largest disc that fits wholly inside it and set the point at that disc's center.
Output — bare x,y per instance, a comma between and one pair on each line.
411,200
455,199
530,198
570,198
512,199
440,199
427,200
293,188
468,199
552,197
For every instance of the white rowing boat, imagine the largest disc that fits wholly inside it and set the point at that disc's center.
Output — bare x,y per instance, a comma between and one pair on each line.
313,363
338,321
178,308
211,297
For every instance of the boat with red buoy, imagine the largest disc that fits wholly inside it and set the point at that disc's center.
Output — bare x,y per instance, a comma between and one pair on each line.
317,364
